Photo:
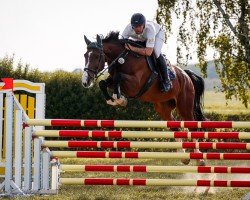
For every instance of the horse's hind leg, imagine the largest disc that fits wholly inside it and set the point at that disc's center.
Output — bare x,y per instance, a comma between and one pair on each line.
185,110
164,109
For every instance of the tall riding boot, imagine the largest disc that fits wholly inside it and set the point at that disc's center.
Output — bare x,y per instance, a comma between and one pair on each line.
166,83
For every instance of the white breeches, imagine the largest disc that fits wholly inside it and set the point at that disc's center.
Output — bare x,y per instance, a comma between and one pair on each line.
159,40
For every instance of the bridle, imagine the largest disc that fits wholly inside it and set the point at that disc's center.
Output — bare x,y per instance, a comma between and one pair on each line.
94,73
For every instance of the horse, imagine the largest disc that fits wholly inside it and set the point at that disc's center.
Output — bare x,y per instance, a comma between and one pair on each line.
129,73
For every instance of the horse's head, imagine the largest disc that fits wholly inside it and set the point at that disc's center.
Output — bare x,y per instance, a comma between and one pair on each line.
94,61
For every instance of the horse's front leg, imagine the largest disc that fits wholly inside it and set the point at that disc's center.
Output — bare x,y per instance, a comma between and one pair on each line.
119,98
104,84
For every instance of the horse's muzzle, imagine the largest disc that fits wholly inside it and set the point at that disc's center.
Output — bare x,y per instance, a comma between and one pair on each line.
86,80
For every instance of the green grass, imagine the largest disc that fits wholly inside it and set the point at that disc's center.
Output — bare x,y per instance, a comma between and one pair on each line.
139,193
215,102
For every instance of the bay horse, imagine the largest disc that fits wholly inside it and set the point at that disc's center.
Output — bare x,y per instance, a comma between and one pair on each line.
129,73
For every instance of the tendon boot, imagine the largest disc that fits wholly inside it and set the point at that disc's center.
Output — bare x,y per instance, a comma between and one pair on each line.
166,84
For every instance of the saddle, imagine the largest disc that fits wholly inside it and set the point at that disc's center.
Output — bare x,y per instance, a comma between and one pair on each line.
153,66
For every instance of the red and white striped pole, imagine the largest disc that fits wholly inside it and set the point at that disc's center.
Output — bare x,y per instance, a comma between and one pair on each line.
141,134
147,145
138,124
158,169
154,182
150,155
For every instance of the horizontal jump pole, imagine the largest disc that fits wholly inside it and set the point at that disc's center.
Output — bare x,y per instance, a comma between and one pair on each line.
153,182
150,155
141,134
147,145
158,169
138,124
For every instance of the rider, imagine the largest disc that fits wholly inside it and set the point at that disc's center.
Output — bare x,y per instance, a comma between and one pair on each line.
150,32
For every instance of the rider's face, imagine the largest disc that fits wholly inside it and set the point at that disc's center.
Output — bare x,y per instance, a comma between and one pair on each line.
138,29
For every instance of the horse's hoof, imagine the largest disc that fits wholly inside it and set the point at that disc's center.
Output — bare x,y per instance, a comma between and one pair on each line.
122,101
201,162
112,103
114,96
185,161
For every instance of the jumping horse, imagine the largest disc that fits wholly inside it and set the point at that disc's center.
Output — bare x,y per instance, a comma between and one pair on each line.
131,76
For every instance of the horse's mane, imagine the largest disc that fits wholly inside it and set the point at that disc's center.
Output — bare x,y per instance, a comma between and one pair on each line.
113,36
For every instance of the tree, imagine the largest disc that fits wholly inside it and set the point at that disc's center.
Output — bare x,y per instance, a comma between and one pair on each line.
222,25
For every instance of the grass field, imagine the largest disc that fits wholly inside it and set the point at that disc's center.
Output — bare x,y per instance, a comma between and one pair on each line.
215,102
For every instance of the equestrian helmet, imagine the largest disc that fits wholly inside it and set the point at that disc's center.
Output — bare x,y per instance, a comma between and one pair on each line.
137,19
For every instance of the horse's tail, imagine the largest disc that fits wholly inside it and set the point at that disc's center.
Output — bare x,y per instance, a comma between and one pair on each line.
199,87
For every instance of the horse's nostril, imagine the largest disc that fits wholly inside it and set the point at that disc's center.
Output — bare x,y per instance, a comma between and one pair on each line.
84,84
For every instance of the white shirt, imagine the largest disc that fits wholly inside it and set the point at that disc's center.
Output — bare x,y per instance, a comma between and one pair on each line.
150,30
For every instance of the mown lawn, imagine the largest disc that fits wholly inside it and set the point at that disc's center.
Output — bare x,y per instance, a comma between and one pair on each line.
215,102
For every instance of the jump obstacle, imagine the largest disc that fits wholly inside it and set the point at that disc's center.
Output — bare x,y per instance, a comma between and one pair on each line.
38,169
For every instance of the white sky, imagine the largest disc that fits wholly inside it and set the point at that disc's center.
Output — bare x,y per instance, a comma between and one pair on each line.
48,34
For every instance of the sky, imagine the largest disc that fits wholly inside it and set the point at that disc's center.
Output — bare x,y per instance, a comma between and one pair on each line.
49,34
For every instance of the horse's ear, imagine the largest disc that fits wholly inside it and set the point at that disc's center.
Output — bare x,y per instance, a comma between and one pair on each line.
99,40
87,40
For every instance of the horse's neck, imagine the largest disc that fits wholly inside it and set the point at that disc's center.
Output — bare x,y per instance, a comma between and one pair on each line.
133,65
112,50
136,64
